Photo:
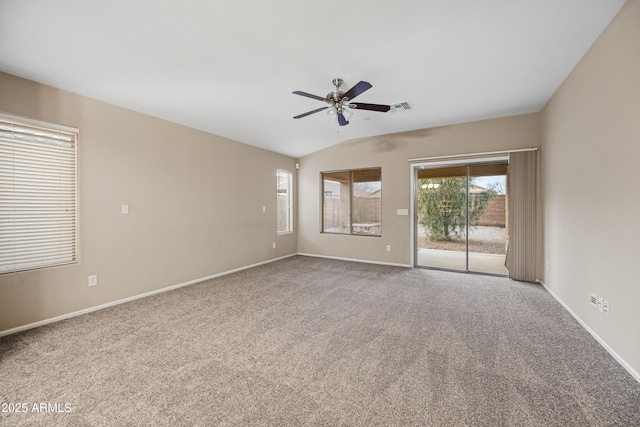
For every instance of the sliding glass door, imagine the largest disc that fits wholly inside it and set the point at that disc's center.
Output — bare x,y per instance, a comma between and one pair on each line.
442,218
461,217
487,224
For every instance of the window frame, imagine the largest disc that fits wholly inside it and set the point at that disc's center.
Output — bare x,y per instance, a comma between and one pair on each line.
30,132
289,204
351,183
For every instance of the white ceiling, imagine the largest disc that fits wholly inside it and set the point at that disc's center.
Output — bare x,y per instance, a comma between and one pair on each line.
229,66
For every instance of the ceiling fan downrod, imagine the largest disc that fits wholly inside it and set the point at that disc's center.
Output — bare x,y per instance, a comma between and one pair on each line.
336,96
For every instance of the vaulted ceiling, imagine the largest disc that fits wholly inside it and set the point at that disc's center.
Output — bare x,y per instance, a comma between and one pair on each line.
229,66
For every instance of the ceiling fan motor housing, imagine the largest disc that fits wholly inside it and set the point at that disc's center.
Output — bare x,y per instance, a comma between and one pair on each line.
335,97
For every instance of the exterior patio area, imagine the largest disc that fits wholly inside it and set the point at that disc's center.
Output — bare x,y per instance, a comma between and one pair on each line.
456,260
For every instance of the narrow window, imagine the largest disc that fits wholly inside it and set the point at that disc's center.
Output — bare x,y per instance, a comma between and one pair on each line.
284,205
38,194
352,202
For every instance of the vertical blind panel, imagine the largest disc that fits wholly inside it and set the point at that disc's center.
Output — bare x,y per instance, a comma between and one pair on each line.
38,196
521,260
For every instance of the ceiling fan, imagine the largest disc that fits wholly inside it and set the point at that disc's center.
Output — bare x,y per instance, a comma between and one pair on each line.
337,101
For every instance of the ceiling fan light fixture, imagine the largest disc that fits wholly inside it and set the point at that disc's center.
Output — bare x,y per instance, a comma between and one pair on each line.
338,108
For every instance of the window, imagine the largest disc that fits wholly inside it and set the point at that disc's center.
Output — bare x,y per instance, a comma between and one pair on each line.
38,201
352,202
284,211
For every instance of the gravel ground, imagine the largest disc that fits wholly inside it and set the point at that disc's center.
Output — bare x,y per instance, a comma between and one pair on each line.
486,240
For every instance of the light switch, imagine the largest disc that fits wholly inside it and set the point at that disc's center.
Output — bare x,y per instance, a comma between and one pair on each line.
93,280
125,209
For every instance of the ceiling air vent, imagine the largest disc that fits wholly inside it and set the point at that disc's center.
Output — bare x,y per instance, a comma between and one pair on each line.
402,106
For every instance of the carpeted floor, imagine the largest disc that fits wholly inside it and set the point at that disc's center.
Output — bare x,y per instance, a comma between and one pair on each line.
307,341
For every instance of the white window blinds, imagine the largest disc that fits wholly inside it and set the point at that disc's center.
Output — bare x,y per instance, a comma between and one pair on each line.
38,194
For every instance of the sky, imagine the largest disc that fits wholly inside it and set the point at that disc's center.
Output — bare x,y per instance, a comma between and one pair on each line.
488,181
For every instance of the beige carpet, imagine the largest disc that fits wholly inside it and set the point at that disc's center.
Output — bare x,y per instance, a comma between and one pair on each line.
307,341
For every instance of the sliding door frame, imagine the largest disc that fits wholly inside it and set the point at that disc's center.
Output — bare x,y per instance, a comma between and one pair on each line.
441,163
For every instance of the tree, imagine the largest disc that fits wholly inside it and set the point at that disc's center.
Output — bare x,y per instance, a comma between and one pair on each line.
442,205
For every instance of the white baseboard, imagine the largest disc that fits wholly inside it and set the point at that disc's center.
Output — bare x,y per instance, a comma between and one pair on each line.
133,298
356,260
615,355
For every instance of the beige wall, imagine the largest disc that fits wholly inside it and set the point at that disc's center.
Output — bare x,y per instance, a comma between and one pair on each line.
391,152
195,206
590,136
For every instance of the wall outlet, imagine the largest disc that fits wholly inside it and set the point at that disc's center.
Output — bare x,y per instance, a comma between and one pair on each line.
93,280
274,245
388,248
600,304
605,307
594,300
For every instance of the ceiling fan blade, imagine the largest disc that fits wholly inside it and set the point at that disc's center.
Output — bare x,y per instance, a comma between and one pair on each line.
371,107
317,110
342,121
308,95
357,90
